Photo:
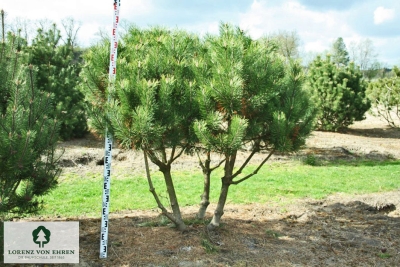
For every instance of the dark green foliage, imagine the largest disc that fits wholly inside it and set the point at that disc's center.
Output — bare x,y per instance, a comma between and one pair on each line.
153,103
339,94
249,97
27,134
385,96
59,74
173,92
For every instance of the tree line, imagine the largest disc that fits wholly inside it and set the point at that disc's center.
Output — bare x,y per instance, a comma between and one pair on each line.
175,93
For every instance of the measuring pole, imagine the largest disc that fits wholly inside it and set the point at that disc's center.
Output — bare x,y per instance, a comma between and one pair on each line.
108,137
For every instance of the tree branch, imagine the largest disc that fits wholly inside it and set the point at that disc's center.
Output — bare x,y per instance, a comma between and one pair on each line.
200,161
179,154
154,158
163,155
255,171
244,164
217,166
172,155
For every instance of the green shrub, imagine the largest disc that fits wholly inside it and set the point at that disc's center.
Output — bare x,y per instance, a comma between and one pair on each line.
27,134
338,93
385,97
59,75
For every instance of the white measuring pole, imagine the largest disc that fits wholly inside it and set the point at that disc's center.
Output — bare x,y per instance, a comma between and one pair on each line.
108,137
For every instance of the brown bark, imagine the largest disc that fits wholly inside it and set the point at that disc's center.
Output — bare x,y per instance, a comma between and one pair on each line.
226,182
207,170
176,216
219,211
173,200
205,197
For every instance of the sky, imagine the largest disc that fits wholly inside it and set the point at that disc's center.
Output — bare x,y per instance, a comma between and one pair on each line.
318,23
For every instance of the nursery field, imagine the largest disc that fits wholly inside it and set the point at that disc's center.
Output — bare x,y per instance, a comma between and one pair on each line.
334,203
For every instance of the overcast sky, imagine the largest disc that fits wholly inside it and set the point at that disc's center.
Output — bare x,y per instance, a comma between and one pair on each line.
317,22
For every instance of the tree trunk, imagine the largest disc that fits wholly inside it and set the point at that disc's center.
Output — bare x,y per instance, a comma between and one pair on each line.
172,197
219,211
205,197
170,216
207,170
226,182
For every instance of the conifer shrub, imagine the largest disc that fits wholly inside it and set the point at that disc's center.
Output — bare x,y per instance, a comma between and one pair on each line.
385,97
176,93
28,134
58,74
251,97
338,93
153,101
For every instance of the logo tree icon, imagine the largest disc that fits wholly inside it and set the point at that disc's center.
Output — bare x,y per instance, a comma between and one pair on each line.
41,236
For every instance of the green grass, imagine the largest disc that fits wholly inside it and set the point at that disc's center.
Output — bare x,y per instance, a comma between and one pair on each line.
77,195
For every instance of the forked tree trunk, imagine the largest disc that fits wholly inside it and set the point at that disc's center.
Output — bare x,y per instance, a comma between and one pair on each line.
207,170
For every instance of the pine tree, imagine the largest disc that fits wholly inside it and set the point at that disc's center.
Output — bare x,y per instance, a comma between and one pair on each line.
153,104
59,75
28,135
385,96
339,94
249,97
340,56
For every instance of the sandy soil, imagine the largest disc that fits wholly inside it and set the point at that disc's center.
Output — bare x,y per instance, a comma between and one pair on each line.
342,230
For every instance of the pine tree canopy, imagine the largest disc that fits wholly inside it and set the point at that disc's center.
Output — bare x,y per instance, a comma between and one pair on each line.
27,133
155,91
58,73
166,80
339,94
385,96
249,87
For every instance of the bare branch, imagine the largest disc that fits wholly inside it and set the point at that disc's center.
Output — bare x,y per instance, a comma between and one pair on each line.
244,164
217,166
179,154
255,171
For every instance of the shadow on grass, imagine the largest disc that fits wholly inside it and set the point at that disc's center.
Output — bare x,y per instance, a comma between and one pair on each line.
360,163
393,133
339,156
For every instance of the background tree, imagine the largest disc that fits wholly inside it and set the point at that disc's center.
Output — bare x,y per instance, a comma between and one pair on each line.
288,43
154,101
340,56
364,55
71,28
385,96
339,94
249,99
58,74
27,134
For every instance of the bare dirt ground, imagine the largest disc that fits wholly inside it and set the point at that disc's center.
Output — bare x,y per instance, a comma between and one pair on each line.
341,230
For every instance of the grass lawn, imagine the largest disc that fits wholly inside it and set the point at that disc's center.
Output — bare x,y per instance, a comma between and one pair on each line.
76,195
